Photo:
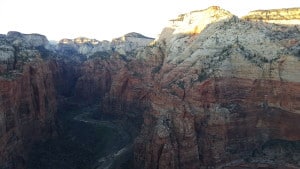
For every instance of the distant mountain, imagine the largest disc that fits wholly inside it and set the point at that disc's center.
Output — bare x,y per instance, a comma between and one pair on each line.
124,44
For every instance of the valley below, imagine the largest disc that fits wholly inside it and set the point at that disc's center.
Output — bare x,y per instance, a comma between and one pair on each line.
85,141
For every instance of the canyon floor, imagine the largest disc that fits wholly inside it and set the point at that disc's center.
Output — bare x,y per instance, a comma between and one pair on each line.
85,141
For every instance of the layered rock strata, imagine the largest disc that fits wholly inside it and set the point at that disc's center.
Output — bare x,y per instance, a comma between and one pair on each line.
227,87
27,97
279,16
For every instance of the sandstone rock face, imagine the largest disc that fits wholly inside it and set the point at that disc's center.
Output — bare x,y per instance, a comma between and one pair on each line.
222,94
27,98
195,21
279,16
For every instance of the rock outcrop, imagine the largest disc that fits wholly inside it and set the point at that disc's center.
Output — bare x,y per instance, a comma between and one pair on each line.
27,40
195,21
130,42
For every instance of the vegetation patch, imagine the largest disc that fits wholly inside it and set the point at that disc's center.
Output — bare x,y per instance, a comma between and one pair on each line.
100,54
181,84
202,76
156,69
137,74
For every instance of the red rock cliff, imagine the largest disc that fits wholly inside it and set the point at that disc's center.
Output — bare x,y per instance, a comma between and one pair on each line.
27,102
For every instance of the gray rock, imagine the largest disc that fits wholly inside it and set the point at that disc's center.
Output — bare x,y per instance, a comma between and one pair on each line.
6,52
88,47
30,40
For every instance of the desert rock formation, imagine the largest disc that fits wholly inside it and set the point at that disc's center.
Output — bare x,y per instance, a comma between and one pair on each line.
213,91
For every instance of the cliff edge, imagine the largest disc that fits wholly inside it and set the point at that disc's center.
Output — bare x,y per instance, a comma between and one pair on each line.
289,16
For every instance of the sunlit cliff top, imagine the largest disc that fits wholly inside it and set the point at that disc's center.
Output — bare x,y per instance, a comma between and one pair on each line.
279,16
195,21
79,40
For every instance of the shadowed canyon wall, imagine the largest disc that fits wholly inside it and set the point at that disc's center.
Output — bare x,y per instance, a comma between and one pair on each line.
28,97
37,77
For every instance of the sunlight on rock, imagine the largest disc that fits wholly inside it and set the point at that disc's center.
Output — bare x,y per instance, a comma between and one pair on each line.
289,16
194,22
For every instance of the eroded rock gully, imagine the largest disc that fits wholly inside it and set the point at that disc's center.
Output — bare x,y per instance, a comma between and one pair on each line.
213,91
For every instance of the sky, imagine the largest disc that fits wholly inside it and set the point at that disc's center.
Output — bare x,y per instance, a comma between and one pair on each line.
105,20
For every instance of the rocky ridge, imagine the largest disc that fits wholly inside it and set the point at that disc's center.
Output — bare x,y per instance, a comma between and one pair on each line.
279,16
89,47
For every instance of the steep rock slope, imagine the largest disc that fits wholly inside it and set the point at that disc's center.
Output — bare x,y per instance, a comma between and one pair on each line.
114,78
27,97
103,68
226,90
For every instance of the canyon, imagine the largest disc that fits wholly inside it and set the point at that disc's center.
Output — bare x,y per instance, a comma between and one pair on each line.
212,91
